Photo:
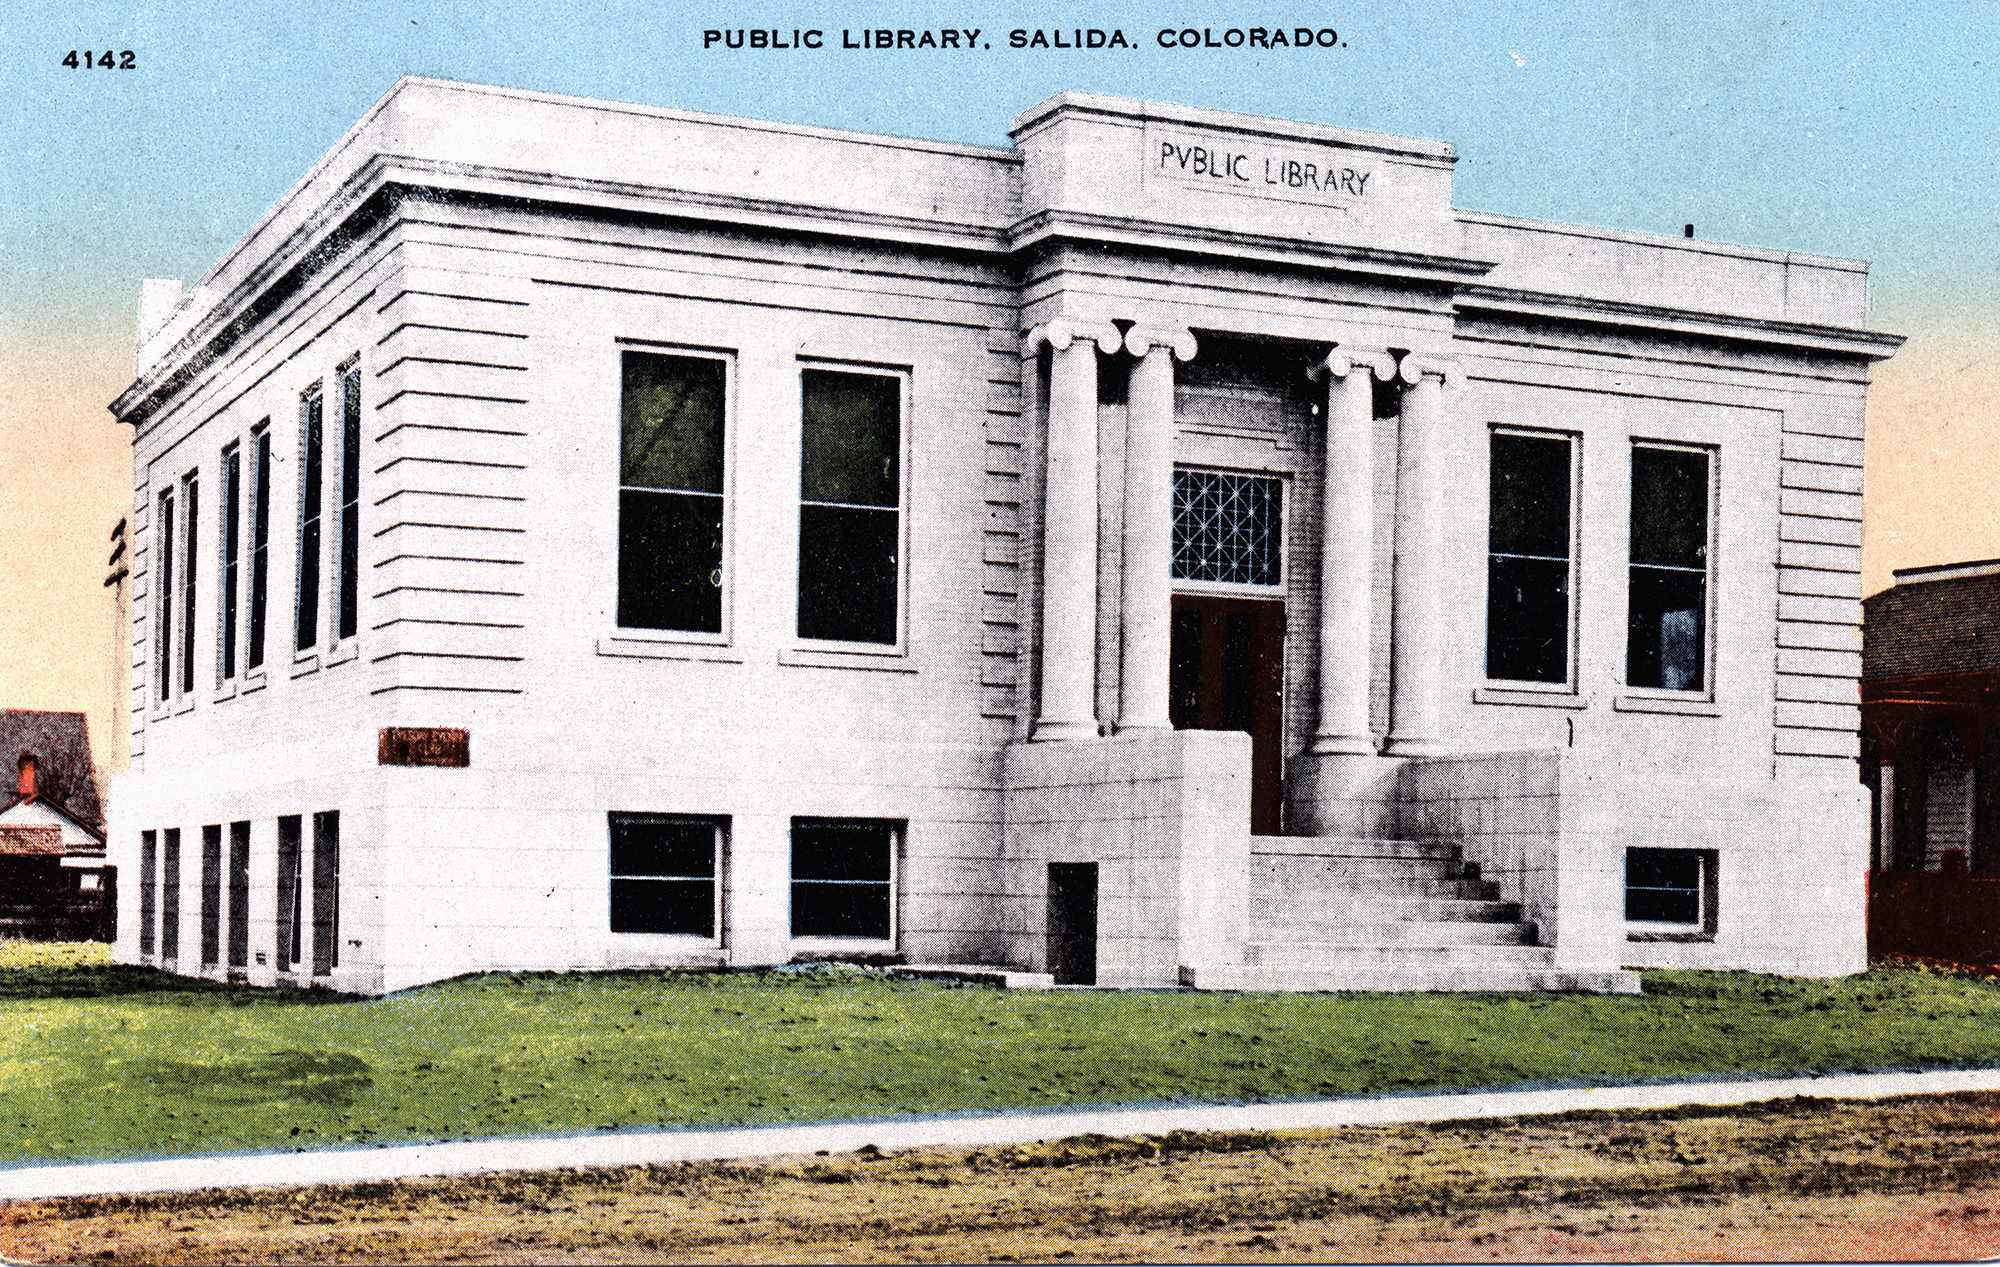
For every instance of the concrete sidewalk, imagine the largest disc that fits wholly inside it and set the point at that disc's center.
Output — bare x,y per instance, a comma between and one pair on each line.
188,1174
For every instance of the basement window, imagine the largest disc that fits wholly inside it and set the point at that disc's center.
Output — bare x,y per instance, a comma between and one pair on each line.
1670,894
663,874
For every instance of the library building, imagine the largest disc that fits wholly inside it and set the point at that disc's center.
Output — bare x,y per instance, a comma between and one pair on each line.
1178,549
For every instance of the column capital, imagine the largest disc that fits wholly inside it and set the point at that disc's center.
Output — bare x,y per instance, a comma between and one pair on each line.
1341,362
1418,364
1140,340
1063,331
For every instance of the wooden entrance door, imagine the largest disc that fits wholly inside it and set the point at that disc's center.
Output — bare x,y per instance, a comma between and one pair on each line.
1228,674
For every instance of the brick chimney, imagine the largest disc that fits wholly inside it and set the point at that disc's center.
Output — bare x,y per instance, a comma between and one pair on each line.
26,787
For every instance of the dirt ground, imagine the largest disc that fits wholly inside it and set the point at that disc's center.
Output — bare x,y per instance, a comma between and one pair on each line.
1917,1178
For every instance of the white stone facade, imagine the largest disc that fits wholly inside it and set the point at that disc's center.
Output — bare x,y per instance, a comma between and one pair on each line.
1134,290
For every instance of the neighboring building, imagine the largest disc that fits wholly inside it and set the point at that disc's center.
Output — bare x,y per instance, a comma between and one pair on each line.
54,881
1930,699
1180,548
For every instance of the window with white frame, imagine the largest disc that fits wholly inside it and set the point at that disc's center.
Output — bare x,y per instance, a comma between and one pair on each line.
190,532
1228,528
347,498
664,871
1529,556
260,544
844,878
671,491
1666,643
1670,893
312,506
850,506
163,595
229,572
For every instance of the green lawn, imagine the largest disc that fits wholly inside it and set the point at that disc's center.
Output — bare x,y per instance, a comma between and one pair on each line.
98,1061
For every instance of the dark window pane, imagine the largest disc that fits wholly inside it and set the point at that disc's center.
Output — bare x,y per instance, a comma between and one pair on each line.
311,497
1226,527
656,847
1530,496
1527,619
191,496
1663,885
672,423
232,495
1669,507
852,436
847,573
260,542
669,561
682,907
1184,675
841,851
350,506
163,543
840,910
1663,646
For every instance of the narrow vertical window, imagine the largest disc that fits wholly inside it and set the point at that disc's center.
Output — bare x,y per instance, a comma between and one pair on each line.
850,512
163,599
190,517
670,492
311,496
291,891
843,879
326,892
260,542
149,893
350,501
1666,636
170,896
239,895
663,873
232,556
211,894
1528,558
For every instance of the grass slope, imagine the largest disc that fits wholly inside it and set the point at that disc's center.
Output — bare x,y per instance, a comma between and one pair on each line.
102,1061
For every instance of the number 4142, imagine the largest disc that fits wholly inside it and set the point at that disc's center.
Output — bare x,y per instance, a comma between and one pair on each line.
107,60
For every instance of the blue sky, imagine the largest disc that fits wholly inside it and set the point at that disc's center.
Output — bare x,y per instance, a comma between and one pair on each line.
1846,129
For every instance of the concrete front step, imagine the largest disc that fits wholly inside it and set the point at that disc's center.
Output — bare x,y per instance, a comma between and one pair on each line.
1321,869
1325,954
1407,978
1375,908
1337,886
1375,932
1354,847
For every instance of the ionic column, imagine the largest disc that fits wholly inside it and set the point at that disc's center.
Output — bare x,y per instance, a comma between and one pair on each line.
1069,527
1347,549
1418,635
1145,615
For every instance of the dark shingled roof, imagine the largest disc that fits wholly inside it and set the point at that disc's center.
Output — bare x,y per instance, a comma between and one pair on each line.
1923,627
60,743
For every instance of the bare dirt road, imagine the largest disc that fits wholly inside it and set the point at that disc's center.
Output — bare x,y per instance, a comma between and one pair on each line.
1917,1178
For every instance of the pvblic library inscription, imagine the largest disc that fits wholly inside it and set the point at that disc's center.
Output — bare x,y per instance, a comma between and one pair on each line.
946,39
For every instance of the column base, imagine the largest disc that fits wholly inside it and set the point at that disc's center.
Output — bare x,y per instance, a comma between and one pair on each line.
1411,747
1340,794
1342,745
1049,731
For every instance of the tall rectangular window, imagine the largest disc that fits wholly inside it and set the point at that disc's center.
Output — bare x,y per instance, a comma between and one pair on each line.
260,541
190,516
164,597
349,616
170,896
1528,557
211,894
326,892
291,891
232,560
850,505
663,874
239,895
1666,635
149,893
843,879
312,461
670,492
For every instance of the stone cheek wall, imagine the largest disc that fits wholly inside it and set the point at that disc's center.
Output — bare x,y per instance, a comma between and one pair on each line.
1552,828
1165,815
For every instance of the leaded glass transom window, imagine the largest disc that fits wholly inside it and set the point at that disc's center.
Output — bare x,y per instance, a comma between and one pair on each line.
1227,528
